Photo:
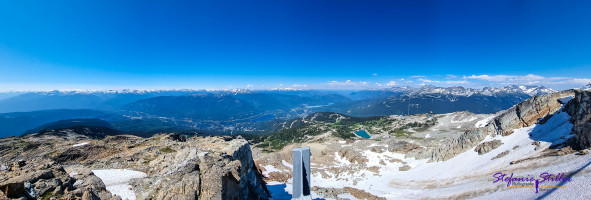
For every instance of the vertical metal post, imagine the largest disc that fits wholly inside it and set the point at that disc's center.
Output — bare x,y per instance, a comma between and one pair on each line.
301,173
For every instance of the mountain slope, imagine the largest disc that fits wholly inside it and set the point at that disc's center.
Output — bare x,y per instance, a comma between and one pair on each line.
457,158
13,124
429,102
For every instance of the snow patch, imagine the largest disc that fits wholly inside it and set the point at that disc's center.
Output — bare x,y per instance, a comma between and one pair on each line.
269,169
347,196
287,164
81,144
117,181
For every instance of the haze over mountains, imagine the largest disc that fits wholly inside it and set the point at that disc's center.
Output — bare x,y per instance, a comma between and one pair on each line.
237,111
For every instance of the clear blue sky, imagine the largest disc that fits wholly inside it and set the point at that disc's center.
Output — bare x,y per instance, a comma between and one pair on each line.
305,44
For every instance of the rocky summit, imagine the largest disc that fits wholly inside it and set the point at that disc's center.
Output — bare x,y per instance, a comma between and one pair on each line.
67,165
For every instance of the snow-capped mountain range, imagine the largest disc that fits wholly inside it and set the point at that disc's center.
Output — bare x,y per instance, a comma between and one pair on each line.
427,89
487,91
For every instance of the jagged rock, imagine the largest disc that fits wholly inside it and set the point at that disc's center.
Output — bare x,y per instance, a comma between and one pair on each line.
580,110
178,181
583,152
216,169
486,147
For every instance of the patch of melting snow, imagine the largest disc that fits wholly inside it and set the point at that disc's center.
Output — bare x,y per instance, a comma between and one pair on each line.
428,135
269,169
287,164
81,144
347,196
117,181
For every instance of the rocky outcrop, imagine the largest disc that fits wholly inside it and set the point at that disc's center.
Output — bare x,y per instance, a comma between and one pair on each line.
177,167
213,169
173,177
44,179
521,115
353,156
580,110
486,147
401,146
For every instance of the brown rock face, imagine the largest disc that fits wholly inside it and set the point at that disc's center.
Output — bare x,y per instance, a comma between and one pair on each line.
580,110
503,154
352,156
486,147
404,168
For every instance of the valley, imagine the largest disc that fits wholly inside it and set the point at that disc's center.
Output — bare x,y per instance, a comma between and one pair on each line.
226,112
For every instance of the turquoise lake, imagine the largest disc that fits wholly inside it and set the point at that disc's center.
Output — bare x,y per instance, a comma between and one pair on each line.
362,133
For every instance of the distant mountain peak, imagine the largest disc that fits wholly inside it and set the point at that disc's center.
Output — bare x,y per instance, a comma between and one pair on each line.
462,91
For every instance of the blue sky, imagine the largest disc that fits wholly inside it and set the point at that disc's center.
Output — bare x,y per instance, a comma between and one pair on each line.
299,44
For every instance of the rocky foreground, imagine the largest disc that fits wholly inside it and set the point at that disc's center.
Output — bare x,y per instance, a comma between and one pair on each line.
69,163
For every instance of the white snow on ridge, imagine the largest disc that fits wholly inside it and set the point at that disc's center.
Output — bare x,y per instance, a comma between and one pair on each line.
117,181
565,100
81,144
484,122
